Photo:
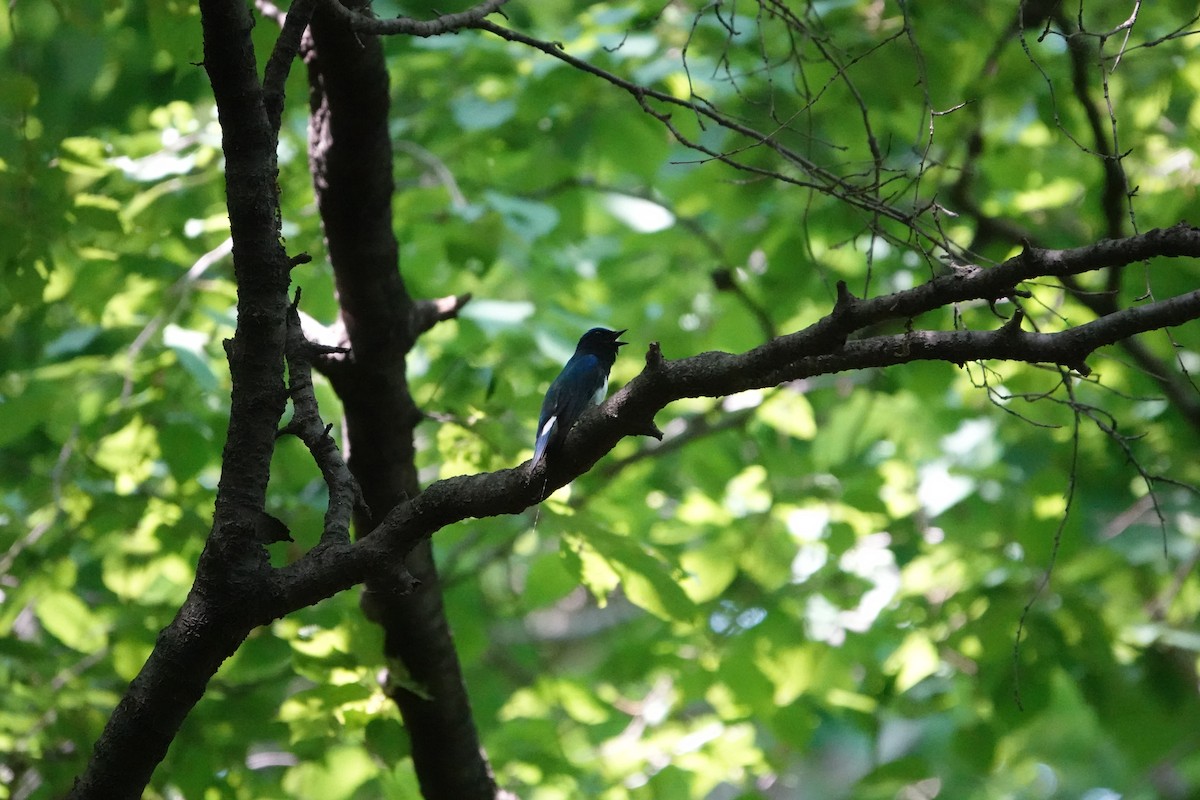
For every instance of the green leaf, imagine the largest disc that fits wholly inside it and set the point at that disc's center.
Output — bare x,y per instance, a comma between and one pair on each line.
528,219
647,580
71,621
790,413
189,348
18,92
474,113
336,777
186,448
549,580
129,453
594,570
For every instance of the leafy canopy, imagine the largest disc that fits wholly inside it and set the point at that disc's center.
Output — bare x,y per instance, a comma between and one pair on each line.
819,593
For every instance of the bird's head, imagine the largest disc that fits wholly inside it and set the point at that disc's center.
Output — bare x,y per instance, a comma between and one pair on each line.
600,340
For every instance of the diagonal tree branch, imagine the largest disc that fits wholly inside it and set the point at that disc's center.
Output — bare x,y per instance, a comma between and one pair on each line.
446,23
821,348
345,495
815,176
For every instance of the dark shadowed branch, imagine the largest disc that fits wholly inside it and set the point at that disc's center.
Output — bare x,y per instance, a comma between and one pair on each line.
822,348
345,496
446,23
217,614
283,55
351,160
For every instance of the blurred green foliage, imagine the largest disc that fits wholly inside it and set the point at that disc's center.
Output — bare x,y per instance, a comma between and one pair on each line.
819,595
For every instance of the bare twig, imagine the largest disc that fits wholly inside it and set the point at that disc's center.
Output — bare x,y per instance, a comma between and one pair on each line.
283,55
345,496
446,23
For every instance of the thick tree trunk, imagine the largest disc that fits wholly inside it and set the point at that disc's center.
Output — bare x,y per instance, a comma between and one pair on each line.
226,601
351,159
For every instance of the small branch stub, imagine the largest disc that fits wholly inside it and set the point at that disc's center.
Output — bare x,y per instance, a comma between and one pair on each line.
269,529
654,358
297,260
845,300
647,428
1013,326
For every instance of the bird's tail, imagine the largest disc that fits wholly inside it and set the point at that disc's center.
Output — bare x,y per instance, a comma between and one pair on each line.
543,441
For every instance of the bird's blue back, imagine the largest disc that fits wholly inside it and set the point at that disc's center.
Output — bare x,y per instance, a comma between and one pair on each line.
583,381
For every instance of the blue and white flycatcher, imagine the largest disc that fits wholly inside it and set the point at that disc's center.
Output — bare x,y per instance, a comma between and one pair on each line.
583,380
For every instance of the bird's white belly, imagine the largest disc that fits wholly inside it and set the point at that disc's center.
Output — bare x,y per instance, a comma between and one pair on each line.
598,397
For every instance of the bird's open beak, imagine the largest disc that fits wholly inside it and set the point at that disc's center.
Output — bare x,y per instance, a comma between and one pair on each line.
617,335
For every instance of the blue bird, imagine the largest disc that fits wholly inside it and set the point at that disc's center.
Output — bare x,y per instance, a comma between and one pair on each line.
583,380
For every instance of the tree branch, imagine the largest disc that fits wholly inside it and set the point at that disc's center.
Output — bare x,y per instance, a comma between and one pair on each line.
345,496
428,313
279,64
214,619
819,178
819,349
350,153
446,23
1070,348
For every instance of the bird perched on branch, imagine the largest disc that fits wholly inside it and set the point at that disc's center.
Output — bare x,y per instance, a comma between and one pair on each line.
583,381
